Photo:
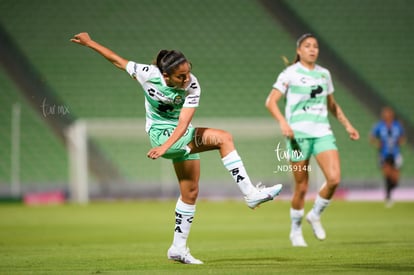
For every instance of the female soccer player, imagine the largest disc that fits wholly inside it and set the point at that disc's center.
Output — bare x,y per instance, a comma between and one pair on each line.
308,90
388,135
172,95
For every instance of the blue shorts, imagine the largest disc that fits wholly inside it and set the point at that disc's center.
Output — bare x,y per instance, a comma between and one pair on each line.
304,148
179,151
395,160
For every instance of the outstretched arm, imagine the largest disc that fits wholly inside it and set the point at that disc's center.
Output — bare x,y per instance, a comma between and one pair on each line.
340,116
84,39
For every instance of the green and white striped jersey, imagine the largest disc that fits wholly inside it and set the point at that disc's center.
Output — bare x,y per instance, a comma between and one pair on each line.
163,104
306,94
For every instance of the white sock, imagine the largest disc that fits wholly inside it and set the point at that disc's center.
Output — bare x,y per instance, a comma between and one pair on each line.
234,165
319,206
184,215
296,218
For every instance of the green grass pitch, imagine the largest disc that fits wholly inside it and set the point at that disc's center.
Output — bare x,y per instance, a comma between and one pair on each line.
132,237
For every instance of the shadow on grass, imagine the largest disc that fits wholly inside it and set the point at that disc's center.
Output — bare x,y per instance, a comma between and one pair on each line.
253,261
380,267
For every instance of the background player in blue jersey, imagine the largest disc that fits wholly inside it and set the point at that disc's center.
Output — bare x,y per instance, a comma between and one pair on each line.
388,135
308,90
172,96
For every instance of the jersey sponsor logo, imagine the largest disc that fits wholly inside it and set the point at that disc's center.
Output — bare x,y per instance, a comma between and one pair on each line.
192,99
162,107
315,91
155,93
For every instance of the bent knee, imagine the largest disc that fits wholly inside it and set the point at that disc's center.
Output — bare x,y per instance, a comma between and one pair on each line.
225,137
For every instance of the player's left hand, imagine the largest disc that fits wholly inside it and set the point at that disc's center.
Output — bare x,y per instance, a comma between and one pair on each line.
156,152
353,133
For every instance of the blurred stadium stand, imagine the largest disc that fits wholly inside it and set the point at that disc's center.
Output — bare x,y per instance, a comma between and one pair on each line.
235,47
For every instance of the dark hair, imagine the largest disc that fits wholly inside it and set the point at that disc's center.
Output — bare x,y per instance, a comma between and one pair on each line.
299,42
167,61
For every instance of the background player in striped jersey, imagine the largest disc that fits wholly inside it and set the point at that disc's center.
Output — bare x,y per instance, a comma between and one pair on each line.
172,95
308,90
388,135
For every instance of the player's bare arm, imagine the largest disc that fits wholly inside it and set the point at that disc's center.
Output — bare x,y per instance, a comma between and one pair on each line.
336,110
271,104
84,39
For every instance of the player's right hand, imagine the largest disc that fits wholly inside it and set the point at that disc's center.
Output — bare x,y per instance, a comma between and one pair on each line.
286,130
82,38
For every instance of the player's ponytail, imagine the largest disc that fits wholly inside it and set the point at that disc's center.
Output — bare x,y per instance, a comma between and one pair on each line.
297,59
286,61
167,61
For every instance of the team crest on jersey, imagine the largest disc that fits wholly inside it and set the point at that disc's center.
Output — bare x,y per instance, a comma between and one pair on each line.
178,100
